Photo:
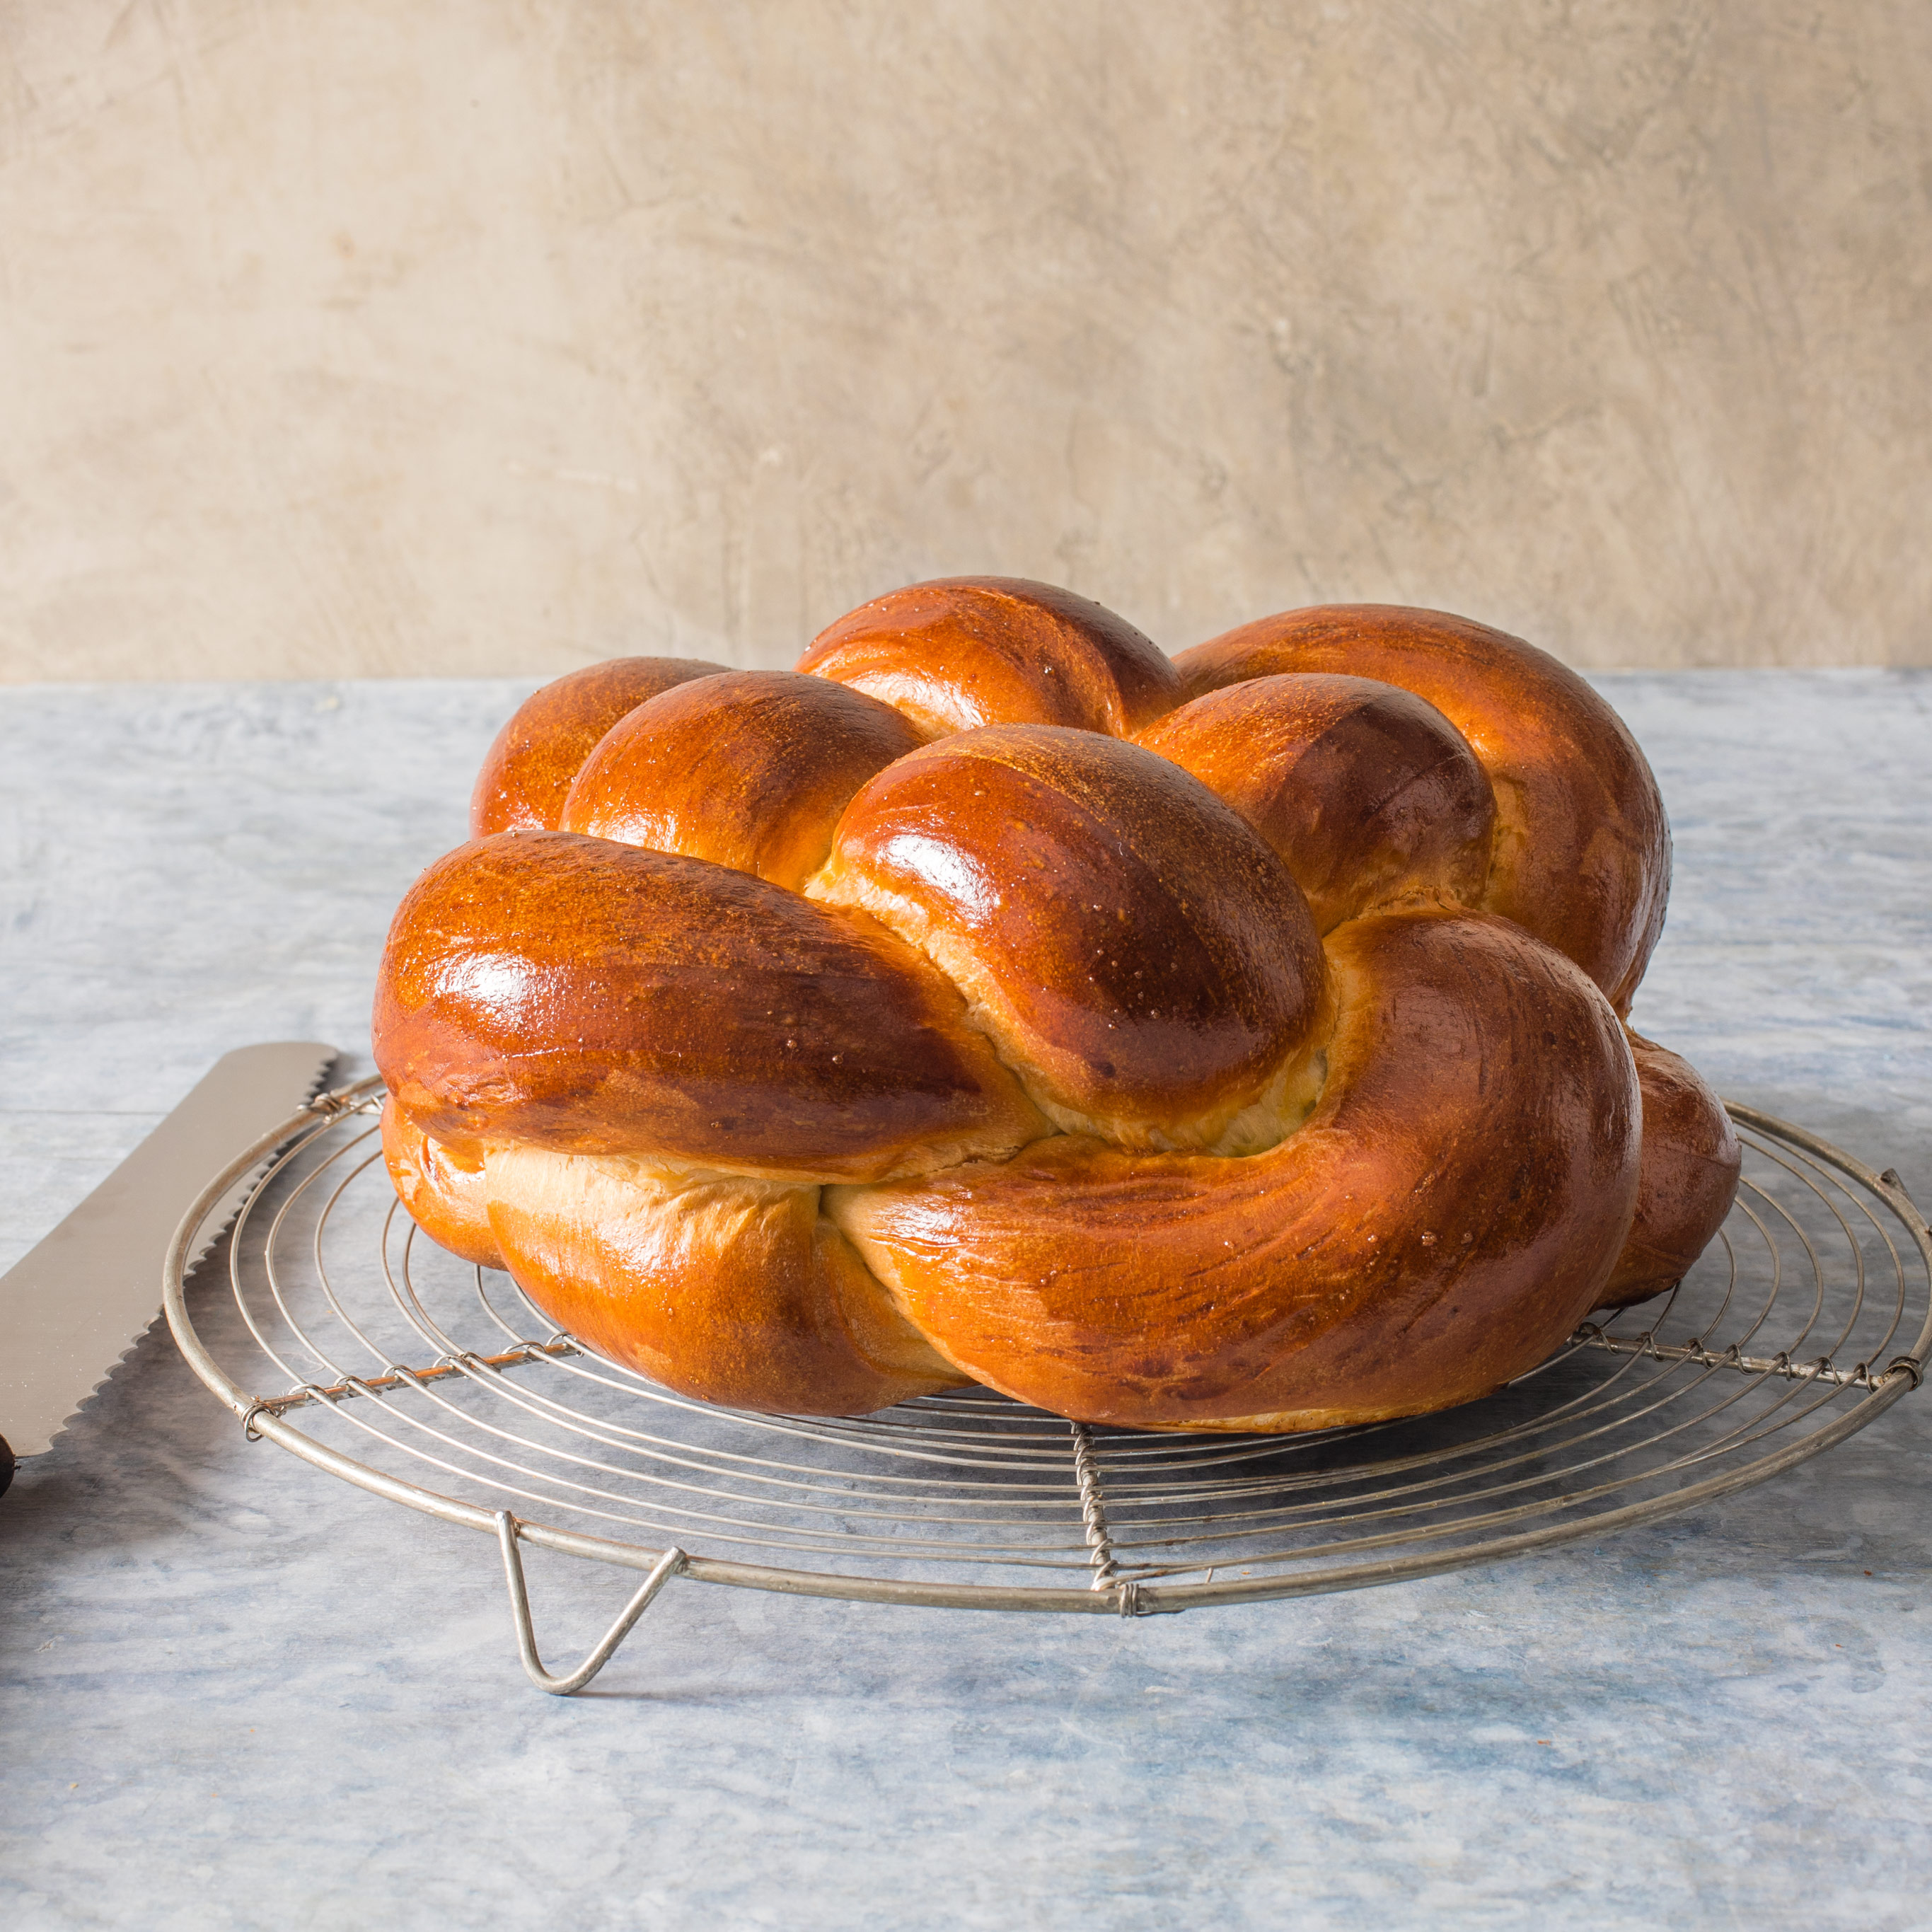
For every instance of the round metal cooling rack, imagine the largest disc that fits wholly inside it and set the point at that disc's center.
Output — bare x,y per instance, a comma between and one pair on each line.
437,1385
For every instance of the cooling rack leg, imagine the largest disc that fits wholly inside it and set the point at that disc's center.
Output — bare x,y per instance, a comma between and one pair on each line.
666,1566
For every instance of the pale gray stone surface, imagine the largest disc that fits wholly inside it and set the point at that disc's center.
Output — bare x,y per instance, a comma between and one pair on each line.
237,1694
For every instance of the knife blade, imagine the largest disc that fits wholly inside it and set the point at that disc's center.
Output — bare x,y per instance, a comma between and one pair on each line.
75,1304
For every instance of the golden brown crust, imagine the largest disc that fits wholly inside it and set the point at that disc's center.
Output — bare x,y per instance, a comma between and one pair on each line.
750,768
962,652
629,1058
528,769
446,1195
1582,851
1141,958
732,1291
1691,1162
1443,1221
1369,794
597,998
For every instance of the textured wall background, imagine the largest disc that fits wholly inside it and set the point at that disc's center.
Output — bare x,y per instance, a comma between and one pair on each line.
348,337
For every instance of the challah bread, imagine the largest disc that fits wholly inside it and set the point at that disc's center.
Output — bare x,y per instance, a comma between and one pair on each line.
1233,1044
970,651
575,994
1440,1223
529,768
1691,1161
1136,954
1370,796
750,769
1581,856
731,1289
447,1194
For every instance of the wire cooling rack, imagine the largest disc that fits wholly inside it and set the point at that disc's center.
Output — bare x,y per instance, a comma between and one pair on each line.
437,1385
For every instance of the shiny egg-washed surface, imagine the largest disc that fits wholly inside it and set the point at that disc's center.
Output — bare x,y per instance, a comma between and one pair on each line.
1232,1042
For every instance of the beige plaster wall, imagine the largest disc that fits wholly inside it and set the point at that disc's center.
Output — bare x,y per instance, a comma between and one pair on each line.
409,336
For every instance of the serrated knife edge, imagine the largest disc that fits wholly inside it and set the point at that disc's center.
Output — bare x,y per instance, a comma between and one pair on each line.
74,1304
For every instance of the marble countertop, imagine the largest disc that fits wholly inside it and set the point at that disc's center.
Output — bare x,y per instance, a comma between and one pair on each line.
238,1694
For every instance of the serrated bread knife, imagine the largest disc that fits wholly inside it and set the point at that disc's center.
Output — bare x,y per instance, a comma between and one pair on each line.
71,1307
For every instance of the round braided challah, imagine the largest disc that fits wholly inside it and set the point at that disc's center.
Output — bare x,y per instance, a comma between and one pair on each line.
1229,1041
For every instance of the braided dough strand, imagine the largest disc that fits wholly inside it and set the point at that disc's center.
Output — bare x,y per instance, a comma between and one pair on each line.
1449,1212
